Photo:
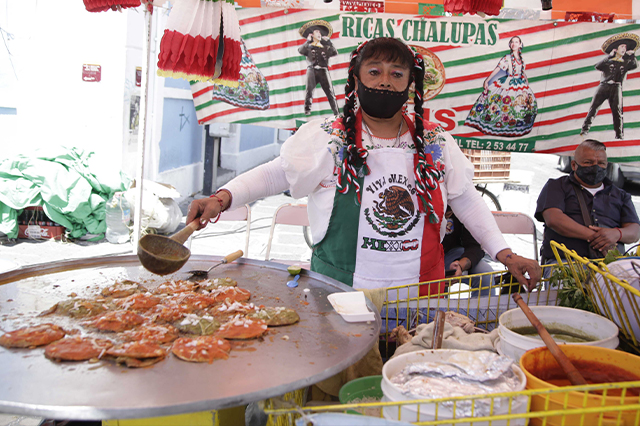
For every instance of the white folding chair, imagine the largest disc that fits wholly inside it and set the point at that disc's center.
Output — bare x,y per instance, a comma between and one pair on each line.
287,214
240,214
519,224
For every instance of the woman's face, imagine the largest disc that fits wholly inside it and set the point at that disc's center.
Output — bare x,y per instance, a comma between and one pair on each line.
378,74
515,43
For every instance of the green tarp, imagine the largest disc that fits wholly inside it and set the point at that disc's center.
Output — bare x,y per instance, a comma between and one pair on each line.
70,185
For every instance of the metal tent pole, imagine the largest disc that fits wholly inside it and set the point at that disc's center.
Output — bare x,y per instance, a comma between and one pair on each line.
142,136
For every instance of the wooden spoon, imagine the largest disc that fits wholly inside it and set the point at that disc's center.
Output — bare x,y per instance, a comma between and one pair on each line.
570,370
438,330
165,255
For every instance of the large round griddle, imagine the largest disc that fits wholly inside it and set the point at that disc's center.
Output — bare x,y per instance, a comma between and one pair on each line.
289,358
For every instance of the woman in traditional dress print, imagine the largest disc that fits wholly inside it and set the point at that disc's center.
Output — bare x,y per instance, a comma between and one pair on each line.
507,106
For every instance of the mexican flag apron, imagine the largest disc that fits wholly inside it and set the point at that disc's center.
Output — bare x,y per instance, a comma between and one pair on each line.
383,241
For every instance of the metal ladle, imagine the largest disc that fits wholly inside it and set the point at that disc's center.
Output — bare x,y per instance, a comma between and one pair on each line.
165,255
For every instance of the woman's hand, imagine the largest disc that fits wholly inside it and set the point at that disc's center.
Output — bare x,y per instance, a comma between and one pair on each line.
204,209
485,85
519,265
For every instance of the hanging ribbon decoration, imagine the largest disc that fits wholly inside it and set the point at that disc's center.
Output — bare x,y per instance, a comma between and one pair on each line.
202,42
348,174
104,5
487,7
427,177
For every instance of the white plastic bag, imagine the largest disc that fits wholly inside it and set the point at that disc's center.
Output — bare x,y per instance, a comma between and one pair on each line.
160,210
615,296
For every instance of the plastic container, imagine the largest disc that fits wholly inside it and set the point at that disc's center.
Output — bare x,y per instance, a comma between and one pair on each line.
540,359
352,306
118,218
409,412
364,387
575,321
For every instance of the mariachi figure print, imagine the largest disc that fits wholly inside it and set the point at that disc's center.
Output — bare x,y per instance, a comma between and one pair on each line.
318,49
507,105
620,59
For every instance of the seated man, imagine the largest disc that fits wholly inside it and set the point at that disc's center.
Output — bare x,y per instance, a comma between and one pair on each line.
463,253
613,217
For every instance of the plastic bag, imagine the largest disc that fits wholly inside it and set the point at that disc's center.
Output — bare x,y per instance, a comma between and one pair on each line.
160,210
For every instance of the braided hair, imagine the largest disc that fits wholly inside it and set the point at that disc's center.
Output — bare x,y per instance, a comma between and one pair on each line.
519,49
393,50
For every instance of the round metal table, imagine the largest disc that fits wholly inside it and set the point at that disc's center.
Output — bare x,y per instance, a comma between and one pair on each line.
288,358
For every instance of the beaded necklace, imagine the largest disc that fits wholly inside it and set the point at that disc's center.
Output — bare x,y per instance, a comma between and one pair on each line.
370,135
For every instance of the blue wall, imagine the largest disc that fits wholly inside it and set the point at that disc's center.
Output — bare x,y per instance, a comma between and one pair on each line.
255,136
181,142
177,83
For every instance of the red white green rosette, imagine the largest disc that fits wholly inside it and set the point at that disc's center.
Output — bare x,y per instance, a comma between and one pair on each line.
196,31
104,5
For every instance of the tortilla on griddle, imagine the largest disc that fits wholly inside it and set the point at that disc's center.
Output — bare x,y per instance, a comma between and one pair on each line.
275,317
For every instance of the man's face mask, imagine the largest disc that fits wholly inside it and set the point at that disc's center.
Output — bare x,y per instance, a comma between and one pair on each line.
381,103
591,175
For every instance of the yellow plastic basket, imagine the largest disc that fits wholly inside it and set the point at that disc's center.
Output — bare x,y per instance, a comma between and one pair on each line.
549,411
611,296
411,310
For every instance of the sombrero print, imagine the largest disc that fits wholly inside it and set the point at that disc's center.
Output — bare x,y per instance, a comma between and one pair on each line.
325,28
631,40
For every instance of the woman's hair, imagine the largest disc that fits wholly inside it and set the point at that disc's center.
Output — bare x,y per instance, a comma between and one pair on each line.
519,49
389,50
521,44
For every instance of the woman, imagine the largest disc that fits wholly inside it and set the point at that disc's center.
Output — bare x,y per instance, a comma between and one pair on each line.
378,181
507,105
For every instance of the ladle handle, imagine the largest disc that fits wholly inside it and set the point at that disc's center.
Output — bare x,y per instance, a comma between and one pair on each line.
233,256
182,235
569,369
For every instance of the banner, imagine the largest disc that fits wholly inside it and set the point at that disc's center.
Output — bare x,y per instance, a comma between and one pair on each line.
494,84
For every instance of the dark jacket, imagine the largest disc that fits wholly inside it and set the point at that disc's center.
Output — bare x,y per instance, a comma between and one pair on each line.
614,71
609,208
318,56
458,236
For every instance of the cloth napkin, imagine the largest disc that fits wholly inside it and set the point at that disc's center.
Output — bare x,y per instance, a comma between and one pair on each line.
453,338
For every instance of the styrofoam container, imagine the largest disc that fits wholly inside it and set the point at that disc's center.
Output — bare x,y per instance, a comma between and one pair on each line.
427,412
581,322
352,306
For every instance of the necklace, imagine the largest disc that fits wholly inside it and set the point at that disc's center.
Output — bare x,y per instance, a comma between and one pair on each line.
370,134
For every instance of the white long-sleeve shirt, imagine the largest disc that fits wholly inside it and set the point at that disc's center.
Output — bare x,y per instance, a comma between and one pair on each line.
308,166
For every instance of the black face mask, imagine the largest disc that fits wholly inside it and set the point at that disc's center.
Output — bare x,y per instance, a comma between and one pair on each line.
591,175
381,103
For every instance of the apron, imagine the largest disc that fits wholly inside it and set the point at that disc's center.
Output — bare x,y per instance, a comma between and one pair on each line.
383,241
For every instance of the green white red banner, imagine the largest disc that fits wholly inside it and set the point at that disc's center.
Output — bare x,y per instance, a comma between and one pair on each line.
544,109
